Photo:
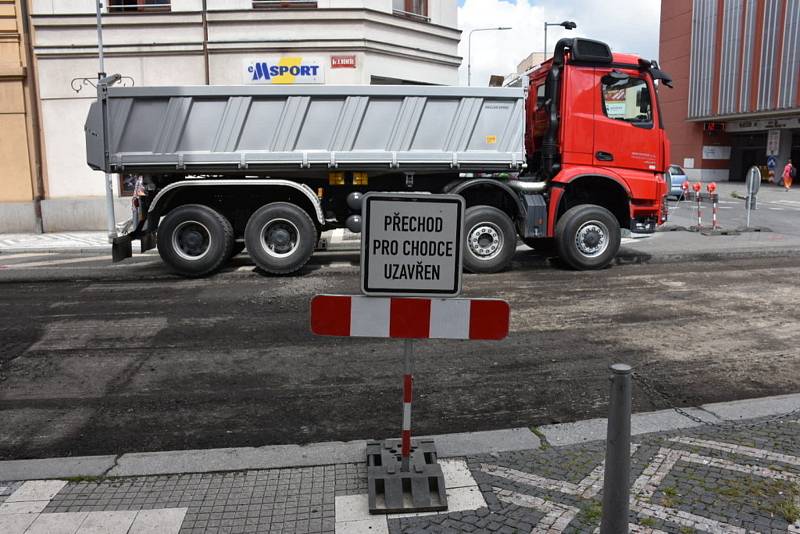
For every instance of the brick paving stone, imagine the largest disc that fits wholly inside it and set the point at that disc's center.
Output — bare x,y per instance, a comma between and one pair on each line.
742,476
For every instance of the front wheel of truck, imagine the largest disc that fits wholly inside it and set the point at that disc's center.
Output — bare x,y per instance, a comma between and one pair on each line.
587,237
491,240
280,238
194,240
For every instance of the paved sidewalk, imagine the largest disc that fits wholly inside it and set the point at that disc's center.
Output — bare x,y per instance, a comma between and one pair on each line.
720,468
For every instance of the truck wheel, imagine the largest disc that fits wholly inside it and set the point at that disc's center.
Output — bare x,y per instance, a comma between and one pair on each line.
587,237
194,240
490,240
280,237
544,245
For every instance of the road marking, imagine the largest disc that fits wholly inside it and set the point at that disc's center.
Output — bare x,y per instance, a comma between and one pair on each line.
558,515
740,449
21,513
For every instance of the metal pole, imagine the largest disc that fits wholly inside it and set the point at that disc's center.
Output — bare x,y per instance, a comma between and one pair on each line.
749,206
408,382
111,221
469,58
699,212
714,223
616,484
545,41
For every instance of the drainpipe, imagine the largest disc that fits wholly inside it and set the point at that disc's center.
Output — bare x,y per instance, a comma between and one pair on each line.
205,41
34,122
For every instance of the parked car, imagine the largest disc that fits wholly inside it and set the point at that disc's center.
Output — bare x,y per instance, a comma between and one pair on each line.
677,176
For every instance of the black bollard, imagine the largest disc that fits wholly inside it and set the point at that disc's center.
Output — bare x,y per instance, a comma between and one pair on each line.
616,484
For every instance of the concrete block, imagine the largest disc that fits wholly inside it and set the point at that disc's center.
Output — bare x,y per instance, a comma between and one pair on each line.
485,442
55,467
17,217
641,423
235,459
752,408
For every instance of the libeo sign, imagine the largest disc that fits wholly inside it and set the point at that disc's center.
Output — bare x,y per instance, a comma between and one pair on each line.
411,244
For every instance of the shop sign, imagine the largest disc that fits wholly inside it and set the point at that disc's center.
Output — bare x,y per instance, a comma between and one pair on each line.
773,142
716,152
343,62
286,70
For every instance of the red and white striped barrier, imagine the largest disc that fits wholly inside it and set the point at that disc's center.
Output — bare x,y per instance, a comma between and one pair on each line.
409,318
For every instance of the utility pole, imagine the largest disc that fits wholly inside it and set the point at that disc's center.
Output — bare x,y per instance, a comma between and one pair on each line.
567,24
469,47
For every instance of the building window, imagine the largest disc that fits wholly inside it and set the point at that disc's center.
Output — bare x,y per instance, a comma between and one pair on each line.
283,4
138,6
414,9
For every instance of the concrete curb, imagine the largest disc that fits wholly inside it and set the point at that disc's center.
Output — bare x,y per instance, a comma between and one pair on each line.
627,257
105,249
448,445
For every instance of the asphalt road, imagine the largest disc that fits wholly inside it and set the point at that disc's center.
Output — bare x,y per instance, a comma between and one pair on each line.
108,359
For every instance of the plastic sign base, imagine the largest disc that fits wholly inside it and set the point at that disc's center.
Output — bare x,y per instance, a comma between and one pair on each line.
392,490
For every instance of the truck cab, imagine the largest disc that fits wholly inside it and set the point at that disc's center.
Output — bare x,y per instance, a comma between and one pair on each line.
596,136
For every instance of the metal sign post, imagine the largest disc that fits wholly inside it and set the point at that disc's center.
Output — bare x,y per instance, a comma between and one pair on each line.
753,185
411,246
403,475
111,221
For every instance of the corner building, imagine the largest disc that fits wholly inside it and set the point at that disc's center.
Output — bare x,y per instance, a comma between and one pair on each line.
218,42
736,102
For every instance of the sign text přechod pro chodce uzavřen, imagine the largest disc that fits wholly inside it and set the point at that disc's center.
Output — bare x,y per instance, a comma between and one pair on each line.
411,244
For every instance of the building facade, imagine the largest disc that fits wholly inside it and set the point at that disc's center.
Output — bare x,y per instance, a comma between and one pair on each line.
736,101
20,171
219,42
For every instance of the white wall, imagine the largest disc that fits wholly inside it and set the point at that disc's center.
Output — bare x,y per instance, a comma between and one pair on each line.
166,49
64,112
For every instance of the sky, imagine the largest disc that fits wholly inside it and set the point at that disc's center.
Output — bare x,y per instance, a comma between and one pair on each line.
626,25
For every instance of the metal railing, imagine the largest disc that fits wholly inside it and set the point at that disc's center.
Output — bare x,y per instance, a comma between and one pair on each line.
139,7
283,4
414,16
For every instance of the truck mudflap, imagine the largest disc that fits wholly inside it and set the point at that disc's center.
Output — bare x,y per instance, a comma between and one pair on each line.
121,248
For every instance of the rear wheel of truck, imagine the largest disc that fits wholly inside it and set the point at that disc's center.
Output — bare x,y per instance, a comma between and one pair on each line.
490,240
194,240
587,237
280,238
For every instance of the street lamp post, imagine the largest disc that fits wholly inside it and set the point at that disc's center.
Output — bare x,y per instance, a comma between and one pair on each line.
567,24
469,48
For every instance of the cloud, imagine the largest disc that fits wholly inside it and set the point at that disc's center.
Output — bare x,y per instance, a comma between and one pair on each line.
626,25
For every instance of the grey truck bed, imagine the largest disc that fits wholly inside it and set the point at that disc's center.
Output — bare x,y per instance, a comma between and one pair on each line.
265,129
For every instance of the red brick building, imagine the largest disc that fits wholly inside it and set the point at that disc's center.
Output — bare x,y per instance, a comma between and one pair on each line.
736,68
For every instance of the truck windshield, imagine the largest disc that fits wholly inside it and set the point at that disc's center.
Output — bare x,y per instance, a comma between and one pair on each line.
627,99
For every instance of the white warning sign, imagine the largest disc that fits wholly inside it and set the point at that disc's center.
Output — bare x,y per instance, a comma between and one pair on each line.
411,244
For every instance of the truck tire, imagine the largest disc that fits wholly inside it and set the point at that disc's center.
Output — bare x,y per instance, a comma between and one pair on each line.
491,240
194,240
543,245
280,238
587,237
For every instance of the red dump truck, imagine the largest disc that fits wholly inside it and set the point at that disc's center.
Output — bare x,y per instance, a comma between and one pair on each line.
564,162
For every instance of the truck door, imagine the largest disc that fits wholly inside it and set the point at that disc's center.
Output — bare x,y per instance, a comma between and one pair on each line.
626,132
